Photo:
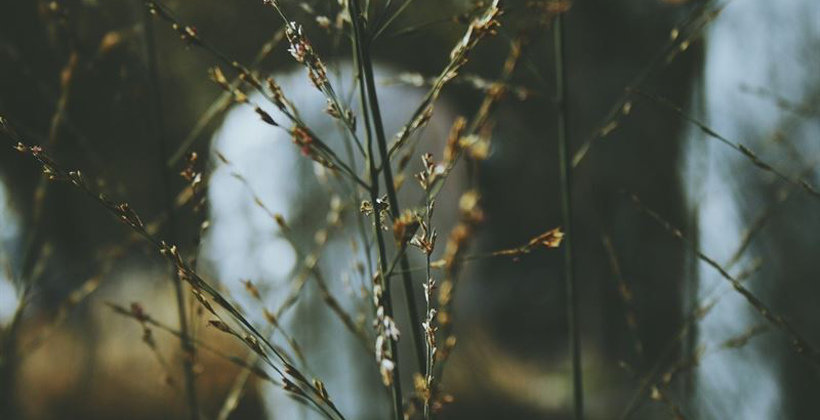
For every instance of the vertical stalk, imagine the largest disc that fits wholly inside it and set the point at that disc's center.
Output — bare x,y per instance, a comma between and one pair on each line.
159,132
429,318
366,67
566,211
374,195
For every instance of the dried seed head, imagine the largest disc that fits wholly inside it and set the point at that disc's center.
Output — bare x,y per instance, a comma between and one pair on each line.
218,77
276,93
477,147
405,226
270,317
129,216
202,301
253,343
265,116
280,220
303,139
321,391
302,51
110,41
386,368
431,173
251,288
468,205
323,22
138,312
453,145
333,109
292,388
221,326
366,208
549,239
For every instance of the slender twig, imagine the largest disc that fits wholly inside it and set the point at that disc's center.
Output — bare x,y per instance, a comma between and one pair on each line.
566,210
753,157
804,109
222,102
332,303
657,389
125,214
418,28
156,119
381,27
310,258
391,377
627,298
303,52
231,401
800,345
696,314
147,320
430,329
481,26
681,37
75,297
471,80
366,66
426,242
321,152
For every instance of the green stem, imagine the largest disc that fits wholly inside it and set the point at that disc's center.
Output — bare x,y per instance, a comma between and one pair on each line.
187,346
395,387
566,210
366,66
428,367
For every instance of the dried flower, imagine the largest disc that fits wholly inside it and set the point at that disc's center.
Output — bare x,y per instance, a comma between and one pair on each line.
405,226
251,288
386,368
302,51
323,22
265,116
221,326
431,172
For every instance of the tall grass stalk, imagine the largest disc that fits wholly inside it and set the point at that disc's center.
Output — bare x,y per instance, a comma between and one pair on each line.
799,343
158,130
365,64
429,285
566,210
395,383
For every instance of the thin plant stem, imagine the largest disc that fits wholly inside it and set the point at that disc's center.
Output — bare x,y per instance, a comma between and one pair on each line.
566,211
366,66
223,102
302,389
395,384
627,299
799,343
691,27
429,328
695,315
189,34
752,156
382,27
188,350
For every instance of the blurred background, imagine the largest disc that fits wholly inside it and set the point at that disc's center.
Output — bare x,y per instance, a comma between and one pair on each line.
108,89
